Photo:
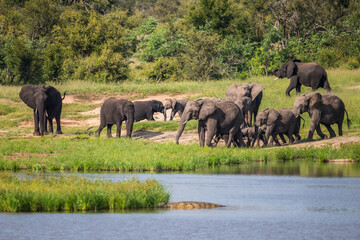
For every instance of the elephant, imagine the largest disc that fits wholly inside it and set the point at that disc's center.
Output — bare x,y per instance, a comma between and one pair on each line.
176,106
244,104
308,74
282,121
221,118
146,109
115,111
46,103
251,90
250,134
324,109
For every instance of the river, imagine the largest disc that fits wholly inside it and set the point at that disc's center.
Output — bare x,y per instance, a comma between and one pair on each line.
263,201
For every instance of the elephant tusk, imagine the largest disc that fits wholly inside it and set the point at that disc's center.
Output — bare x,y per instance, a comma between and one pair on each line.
185,122
276,79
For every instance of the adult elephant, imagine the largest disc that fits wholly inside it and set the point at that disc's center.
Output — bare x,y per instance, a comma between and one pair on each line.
281,122
324,109
46,103
115,111
308,74
245,105
222,118
251,90
146,109
176,106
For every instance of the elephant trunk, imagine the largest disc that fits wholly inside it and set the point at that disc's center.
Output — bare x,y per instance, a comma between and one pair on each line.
183,120
42,119
164,114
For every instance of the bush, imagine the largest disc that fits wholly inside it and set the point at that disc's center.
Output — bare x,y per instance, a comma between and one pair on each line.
165,69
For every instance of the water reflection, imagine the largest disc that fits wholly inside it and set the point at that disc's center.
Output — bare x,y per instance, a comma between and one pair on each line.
304,168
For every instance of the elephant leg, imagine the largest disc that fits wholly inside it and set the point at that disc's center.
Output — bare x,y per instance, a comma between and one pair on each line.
101,127
51,126
282,138
58,125
268,133
36,124
293,84
314,124
320,133
109,130
173,112
298,87
340,128
118,129
201,133
331,131
276,140
211,128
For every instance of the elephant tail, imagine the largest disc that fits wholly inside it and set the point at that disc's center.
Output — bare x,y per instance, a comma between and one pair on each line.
63,96
348,121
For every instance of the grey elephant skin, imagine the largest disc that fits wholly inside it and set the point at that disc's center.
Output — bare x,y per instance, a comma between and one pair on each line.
250,134
222,118
324,109
46,103
251,90
280,122
308,74
115,111
176,106
146,109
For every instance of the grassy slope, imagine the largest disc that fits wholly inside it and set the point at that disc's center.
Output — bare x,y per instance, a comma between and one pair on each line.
64,153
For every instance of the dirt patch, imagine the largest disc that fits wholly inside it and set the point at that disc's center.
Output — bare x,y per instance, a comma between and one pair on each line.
333,142
353,87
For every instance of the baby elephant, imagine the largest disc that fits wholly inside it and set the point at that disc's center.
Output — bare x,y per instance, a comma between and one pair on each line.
176,106
146,109
249,134
282,121
115,111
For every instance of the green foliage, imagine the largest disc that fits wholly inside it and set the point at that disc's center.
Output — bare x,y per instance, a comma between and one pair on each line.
44,40
40,193
164,69
23,62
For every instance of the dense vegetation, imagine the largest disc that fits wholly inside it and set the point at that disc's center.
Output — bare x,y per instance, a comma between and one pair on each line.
67,193
169,40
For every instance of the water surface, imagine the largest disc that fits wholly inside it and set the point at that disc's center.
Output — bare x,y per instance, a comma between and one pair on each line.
259,205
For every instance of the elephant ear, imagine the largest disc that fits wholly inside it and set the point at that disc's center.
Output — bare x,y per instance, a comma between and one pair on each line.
315,100
291,69
273,116
256,89
173,102
208,108
26,94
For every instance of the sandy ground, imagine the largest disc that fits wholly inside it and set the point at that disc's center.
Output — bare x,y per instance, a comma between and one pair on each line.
186,138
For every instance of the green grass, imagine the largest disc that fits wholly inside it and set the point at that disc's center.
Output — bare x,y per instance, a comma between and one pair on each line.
41,193
101,154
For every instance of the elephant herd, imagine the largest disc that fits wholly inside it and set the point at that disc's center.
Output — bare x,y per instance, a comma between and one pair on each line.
235,118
